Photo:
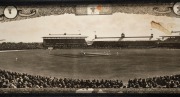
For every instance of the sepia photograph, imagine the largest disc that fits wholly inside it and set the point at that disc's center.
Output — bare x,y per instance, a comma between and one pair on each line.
90,48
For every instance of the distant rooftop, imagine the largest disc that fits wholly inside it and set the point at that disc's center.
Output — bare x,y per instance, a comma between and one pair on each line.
118,39
170,36
107,39
65,36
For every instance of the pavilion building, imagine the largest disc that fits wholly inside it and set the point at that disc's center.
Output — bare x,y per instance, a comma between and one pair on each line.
64,41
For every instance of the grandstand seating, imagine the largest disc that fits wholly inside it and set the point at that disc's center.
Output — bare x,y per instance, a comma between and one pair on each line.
124,44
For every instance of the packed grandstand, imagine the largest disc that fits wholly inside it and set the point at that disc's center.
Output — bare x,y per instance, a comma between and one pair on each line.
169,43
78,41
21,80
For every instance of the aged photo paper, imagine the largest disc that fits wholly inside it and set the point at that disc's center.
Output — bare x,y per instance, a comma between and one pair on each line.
90,48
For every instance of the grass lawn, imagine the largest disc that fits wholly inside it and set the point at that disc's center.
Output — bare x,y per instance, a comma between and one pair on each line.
128,64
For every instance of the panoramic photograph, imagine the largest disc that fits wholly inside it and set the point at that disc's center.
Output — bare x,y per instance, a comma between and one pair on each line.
87,52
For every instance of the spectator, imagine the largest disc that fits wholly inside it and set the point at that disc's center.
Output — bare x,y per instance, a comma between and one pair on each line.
18,80
155,82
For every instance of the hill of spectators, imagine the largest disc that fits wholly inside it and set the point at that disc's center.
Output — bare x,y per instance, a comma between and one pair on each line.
19,46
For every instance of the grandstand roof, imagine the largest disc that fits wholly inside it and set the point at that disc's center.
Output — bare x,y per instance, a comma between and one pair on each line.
65,36
118,39
107,39
169,36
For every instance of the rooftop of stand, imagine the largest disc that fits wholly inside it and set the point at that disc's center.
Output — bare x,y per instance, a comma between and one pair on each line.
65,36
170,36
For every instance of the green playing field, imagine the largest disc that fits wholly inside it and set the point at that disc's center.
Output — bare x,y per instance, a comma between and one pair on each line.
122,64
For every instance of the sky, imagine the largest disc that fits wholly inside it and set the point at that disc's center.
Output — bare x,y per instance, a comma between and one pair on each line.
32,30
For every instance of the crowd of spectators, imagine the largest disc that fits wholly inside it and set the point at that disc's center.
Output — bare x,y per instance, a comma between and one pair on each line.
19,46
172,81
22,80
124,44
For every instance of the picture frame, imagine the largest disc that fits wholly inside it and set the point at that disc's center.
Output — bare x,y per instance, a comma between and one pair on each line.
71,44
